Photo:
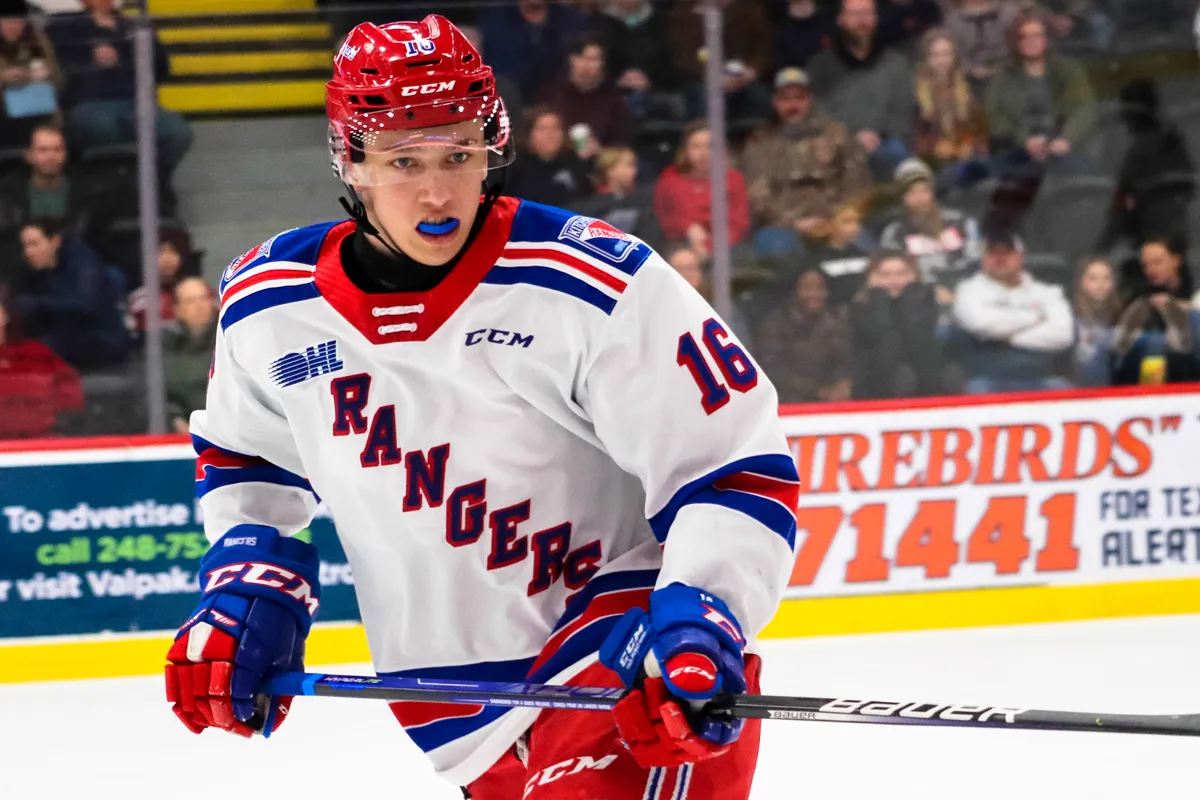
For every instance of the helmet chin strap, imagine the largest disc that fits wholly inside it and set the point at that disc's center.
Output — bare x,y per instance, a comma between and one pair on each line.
358,212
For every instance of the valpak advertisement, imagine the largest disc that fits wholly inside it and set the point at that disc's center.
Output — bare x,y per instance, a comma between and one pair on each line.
110,540
1039,492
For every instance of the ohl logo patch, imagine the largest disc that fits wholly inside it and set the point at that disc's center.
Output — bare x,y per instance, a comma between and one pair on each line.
318,359
601,238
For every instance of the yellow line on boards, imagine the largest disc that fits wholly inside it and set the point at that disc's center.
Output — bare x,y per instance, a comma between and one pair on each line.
339,643
833,616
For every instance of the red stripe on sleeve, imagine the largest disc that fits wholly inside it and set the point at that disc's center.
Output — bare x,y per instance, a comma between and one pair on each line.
785,492
566,259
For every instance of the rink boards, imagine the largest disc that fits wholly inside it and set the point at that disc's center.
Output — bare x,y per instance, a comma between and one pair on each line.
914,515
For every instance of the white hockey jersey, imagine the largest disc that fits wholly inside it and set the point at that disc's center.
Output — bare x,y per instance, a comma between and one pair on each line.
512,459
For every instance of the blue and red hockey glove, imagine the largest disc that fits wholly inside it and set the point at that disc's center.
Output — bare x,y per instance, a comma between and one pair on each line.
676,658
260,592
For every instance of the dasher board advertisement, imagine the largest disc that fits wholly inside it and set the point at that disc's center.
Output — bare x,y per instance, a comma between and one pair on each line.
1038,490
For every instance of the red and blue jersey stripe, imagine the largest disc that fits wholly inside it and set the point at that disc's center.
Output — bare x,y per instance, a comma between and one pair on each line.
765,488
217,467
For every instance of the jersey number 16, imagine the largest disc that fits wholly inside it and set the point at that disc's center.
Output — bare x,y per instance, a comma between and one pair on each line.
735,366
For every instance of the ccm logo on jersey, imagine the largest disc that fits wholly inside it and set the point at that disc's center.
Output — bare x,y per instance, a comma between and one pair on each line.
318,359
498,336
467,512
875,708
427,88
572,766
254,573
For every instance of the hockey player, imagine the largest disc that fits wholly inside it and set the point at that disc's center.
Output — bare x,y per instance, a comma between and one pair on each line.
546,456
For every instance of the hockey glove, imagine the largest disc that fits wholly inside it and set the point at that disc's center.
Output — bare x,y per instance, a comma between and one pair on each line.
676,658
260,592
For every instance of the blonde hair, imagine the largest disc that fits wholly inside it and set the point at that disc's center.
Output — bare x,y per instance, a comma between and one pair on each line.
947,119
609,157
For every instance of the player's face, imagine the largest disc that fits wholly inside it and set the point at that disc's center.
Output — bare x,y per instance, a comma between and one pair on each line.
428,209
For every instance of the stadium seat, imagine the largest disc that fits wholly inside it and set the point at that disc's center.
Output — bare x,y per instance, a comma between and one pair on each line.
122,247
1069,215
1050,268
12,161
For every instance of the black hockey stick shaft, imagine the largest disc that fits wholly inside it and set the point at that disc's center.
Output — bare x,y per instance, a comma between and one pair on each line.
806,709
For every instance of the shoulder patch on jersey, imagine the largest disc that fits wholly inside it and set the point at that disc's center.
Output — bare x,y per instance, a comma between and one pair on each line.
599,238
298,246
593,237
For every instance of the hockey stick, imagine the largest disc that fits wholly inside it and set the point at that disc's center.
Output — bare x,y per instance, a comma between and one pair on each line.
813,709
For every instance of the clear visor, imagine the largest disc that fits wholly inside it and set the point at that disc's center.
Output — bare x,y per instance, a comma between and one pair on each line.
372,149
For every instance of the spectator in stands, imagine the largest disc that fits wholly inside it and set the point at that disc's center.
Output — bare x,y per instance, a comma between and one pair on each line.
951,131
619,200
691,267
633,33
29,76
1155,339
1156,181
841,255
902,23
804,346
1161,271
1015,326
527,43
1040,107
36,386
867,86
592,109
177,261
51,189
69,299
1096,309
943,242
96,50
1081,22
747,47
805,30
980,31
799,168
893,324
547,170
683,194
506,87
188,350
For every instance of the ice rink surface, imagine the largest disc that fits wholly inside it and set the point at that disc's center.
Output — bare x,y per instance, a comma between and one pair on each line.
117,738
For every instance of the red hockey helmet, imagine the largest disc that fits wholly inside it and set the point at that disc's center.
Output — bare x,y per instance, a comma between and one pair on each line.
408,85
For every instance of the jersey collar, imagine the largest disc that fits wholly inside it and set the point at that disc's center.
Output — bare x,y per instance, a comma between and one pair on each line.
411,316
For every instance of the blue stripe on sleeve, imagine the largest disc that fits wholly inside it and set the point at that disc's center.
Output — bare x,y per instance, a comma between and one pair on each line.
263,299
767,512
552,279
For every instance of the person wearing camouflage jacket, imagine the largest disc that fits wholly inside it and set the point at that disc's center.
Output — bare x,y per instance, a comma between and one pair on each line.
799,169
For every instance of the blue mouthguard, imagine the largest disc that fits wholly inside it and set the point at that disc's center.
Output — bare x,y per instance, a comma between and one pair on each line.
437,230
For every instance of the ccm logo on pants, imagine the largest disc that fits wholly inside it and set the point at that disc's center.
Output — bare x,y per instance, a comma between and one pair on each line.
569,767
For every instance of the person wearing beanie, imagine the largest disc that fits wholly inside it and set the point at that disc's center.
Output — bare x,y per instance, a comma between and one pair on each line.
944,242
